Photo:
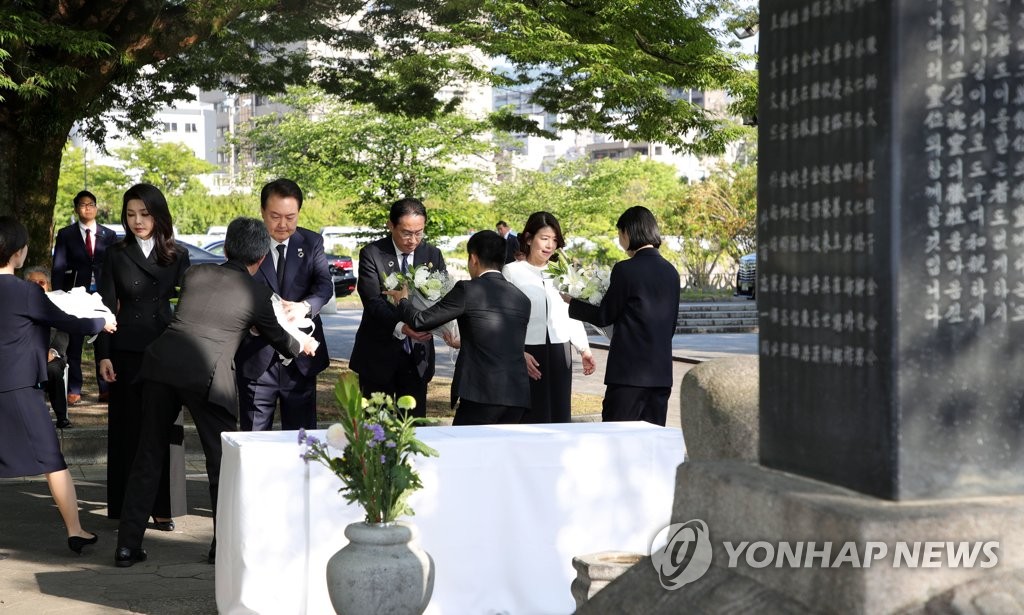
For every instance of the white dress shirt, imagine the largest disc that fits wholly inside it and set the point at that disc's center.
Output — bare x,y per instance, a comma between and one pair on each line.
146,245
549,315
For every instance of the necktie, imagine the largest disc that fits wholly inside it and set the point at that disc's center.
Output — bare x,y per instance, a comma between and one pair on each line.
280,267
407,342
88,242
405,263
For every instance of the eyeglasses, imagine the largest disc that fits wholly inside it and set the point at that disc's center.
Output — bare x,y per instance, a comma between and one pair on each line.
411,234
86,205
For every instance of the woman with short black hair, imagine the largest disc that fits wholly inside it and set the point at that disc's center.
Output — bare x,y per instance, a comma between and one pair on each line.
642,303
28,441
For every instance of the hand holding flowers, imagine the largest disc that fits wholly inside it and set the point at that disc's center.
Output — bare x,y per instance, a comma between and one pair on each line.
584,283
423,286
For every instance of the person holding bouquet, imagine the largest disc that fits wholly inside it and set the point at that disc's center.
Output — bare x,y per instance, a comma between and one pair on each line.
138,281
642,303
551,332
28,442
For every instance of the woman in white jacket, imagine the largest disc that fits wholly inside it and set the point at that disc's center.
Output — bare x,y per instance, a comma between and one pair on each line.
550,332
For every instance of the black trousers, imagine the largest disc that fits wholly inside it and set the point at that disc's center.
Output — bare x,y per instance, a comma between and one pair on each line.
161,404
55,389
258,398
75,344
473,413
626,403
551,396
405,380
124,429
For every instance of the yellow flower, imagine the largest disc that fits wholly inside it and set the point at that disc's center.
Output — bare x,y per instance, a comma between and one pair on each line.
407,402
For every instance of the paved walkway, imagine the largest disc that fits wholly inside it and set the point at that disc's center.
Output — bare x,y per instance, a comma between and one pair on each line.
39,575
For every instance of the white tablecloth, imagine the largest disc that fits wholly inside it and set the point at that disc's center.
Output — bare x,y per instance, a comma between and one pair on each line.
503,511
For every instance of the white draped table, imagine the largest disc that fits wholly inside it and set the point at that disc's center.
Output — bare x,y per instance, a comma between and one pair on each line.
502,511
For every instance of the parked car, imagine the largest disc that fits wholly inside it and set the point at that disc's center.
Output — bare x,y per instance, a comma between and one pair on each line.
343,274
199,256
746,276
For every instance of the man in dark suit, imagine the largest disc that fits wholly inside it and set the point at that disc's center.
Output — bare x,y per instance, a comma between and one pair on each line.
389,356
491,383
77,258
296,269
511,241
192,363
56,355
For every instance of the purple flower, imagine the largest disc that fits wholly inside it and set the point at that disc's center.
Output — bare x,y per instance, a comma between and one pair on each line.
383,459
302,435
389,444
378,432
312,440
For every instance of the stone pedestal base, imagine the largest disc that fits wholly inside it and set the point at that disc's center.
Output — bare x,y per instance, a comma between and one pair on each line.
774,512
596,570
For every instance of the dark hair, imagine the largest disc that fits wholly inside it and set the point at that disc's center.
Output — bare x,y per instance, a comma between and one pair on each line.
247,240
163,227
639,224
13,237
537,221
283,188
84,193
489,247
501,223
406,207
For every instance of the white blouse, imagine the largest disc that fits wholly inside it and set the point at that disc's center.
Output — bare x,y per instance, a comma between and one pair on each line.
548,313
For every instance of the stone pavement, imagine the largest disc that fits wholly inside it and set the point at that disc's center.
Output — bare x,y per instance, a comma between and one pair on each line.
39,575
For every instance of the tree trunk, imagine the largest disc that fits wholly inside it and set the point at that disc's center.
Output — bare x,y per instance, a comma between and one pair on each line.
31,146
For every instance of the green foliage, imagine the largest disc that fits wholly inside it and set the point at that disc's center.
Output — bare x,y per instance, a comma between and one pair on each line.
588,197
171,167
370,159
620,66
376,446
78,173
716,216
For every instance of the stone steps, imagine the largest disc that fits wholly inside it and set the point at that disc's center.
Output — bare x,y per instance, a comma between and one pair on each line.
723,317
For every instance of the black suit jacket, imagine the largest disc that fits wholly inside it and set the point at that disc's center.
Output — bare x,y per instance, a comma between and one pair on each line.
27,316
71,264
377,353
643,303
511,248
307,277
139,292
218,305
492,316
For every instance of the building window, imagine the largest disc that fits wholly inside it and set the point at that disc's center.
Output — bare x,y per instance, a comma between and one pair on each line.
170,127
190,128
657,150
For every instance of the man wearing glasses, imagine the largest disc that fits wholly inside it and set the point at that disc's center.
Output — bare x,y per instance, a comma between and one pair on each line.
77,258
388,356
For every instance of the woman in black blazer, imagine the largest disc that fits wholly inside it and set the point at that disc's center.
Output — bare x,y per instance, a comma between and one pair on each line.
28,442
643,303
139,278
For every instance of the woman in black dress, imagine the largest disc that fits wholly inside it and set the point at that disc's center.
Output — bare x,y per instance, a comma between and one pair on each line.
140,275
28,442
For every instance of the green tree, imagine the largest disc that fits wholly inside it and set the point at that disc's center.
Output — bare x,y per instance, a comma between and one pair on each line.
356,153
605,65
717,218
588,197
171,167
78,173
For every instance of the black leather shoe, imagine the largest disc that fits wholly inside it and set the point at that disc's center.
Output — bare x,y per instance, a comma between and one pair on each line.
163,526
125,557
75,543
63,424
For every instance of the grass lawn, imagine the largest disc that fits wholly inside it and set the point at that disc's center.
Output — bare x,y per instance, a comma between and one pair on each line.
90,412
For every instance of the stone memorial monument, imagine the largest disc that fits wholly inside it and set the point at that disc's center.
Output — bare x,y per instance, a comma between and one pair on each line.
891,301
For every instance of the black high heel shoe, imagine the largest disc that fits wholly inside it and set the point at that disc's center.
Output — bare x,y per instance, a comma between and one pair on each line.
163,526
75,543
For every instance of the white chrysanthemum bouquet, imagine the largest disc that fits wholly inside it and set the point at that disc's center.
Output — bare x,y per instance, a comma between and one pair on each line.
426,287
584,283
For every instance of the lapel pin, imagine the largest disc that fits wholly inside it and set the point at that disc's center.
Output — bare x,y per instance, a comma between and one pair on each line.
391,263
300,253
